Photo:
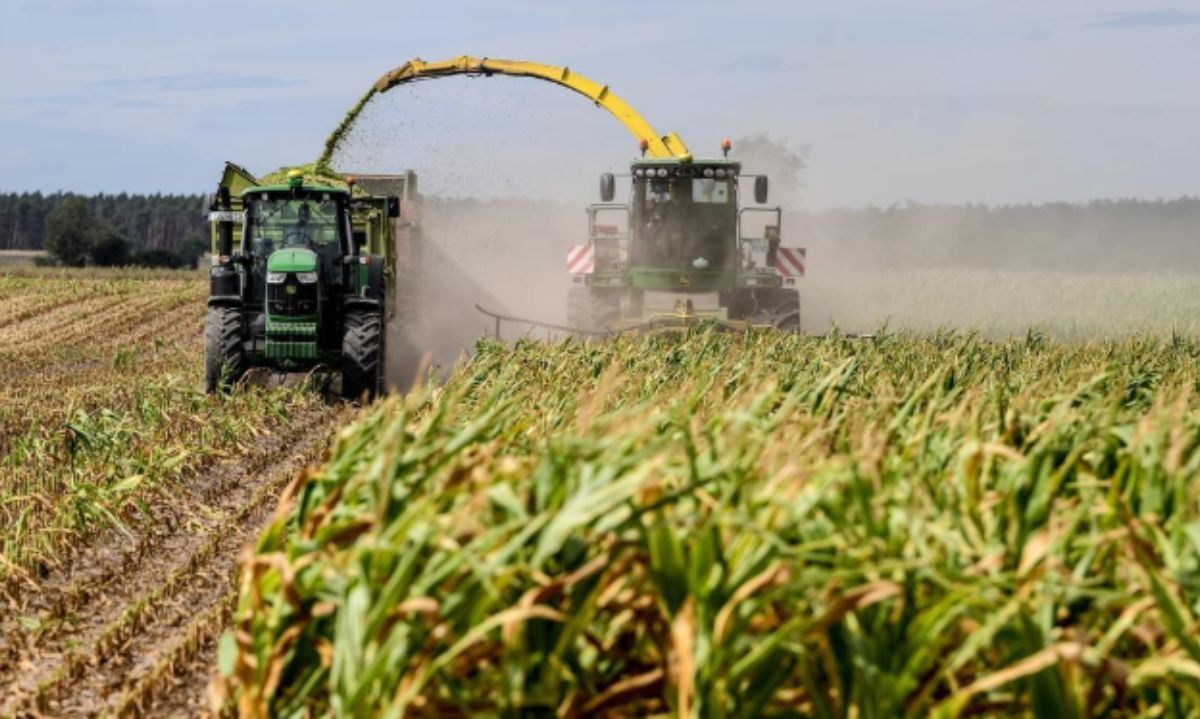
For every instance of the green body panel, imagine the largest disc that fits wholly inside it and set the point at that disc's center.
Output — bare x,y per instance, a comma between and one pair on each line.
291,350
607,279
237,179
300,356
292,327
292,259
646,278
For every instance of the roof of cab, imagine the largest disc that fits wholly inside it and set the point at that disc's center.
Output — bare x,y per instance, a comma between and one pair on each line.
288,189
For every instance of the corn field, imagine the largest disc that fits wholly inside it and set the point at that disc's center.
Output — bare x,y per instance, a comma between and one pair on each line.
125,492
723,526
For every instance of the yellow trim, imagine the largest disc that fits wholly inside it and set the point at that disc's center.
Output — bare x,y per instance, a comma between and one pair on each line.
669,145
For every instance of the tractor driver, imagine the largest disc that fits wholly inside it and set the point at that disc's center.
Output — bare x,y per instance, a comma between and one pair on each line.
660,209
301,232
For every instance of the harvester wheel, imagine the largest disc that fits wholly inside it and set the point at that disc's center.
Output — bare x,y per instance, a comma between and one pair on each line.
362,356
786,315
223,361
592,310
768,306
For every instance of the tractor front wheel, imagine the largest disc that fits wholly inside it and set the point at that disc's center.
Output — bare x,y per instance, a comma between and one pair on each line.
223,361
362,356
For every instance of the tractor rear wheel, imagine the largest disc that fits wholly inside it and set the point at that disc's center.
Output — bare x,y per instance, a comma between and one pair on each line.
362,356
592,310
223,361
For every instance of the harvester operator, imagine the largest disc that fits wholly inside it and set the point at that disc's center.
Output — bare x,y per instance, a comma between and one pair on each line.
661,212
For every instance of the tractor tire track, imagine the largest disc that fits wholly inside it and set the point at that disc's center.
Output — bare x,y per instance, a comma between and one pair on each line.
129,627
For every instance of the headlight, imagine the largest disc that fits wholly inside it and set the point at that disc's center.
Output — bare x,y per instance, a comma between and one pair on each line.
307,278
708,172
720,173
662,172
276,278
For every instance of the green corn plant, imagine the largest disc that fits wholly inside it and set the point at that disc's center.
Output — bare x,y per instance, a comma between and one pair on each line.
766,525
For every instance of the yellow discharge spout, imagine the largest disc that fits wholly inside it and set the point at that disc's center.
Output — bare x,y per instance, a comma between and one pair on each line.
665,146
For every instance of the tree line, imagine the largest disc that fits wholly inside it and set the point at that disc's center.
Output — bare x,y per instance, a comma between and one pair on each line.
122,229
1104,235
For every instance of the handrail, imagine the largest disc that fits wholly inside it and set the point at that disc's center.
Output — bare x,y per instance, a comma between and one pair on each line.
778,217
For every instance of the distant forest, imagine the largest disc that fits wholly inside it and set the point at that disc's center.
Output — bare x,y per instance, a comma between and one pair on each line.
146,222
1104,235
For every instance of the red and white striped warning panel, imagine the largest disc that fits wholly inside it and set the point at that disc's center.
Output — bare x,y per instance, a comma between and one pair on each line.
581,260
790,261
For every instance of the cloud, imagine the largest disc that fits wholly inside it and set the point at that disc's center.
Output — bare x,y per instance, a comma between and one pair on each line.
1142,19
195,81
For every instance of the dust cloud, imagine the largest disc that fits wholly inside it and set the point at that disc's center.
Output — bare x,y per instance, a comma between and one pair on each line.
504,196
506,256
505,192
1106,268
1079,271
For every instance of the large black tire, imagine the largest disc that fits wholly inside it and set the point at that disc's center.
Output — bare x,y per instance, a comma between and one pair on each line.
224,364
786,315
362,356
769,306
592,310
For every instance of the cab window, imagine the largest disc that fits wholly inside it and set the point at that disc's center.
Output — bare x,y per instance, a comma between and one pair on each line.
710,192
288,222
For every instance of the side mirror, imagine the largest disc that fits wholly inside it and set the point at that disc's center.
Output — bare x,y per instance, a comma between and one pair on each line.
760,189
608,187
393,206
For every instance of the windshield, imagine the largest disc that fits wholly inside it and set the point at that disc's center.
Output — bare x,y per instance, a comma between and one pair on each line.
684,223
276,223
710,192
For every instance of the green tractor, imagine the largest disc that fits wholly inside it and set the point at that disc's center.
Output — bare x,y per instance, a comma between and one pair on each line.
678,253
307,285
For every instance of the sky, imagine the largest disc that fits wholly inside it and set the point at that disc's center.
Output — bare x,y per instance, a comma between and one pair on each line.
933,101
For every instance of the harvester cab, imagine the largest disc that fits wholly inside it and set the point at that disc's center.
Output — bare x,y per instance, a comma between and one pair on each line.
678,251
301,276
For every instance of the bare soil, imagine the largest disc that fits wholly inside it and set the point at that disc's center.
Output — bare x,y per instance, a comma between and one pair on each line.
129,626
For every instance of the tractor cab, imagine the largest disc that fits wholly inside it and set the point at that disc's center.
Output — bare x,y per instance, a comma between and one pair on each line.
296,241
684,216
